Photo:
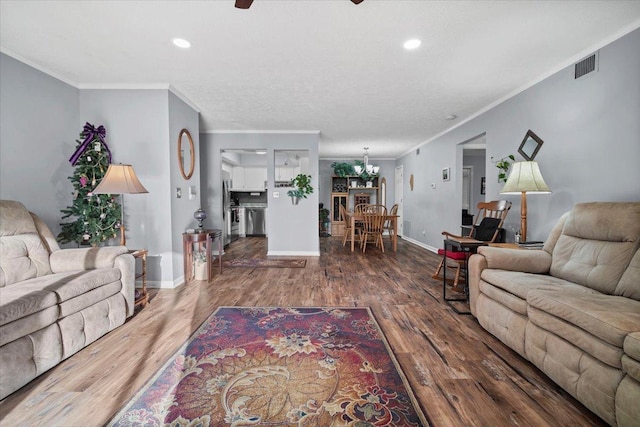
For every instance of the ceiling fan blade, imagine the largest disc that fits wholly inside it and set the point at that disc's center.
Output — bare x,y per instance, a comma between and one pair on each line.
245,4
356,1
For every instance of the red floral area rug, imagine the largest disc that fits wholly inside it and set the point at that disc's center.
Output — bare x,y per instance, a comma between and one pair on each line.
256,263
279,367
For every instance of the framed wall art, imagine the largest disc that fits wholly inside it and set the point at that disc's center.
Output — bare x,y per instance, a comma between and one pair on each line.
530,145
446,172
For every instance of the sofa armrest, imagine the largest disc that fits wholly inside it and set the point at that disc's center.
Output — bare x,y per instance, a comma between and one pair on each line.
525,260
85,258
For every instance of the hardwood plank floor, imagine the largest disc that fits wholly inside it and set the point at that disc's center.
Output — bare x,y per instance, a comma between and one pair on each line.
461,375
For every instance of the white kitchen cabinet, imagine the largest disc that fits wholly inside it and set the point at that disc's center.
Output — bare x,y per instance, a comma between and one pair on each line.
237,178
285,173
254,178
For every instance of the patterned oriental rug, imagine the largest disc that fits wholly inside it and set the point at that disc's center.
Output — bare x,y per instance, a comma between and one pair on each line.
255,263
279,366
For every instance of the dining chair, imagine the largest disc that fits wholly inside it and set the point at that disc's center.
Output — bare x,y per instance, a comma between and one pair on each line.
491,216
373,218
388,224
347,224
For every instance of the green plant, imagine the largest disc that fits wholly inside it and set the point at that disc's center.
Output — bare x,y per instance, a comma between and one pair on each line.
303,184
200,257
503,166
343,169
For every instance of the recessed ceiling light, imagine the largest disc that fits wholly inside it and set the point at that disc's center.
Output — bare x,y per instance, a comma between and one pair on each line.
450,117
412,44
182,43
261,151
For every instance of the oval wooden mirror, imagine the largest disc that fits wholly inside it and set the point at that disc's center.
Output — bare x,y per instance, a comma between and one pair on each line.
186,161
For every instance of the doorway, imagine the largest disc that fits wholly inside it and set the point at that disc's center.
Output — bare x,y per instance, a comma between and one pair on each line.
473,175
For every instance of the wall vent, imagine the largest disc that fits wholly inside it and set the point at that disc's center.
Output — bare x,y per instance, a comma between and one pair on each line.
586,66
417,151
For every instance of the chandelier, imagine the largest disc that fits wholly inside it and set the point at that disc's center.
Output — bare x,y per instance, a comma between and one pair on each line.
366,168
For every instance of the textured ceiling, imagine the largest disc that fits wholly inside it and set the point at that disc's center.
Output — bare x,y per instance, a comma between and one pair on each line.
325,65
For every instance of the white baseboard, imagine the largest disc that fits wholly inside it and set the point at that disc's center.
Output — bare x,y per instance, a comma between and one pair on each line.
164,284
293,253
422,245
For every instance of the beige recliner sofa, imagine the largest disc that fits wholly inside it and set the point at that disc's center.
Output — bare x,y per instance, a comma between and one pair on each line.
54,302
572,308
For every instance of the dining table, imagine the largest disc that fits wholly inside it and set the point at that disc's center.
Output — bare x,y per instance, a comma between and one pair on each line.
353,217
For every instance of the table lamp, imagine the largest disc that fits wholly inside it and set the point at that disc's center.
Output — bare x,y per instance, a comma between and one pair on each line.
120,179
525,178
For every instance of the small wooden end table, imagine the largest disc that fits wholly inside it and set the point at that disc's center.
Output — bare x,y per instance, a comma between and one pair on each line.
469,246
201,237
143,298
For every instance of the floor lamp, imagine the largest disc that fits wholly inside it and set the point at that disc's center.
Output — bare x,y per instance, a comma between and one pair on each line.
525,178
120,179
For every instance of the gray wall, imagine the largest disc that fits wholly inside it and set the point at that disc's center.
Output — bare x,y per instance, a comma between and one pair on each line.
291,229
39,124
41,118
591,148
182,116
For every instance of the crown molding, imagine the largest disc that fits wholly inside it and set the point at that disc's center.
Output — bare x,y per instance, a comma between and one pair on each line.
564,64
38,67
184,98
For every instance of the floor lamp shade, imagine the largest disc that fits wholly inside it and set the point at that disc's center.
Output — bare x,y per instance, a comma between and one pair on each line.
120,179
525,178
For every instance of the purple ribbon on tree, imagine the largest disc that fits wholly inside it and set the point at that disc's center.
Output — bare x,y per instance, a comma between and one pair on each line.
90,134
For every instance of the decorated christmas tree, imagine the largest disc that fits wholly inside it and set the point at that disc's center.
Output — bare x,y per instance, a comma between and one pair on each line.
95,217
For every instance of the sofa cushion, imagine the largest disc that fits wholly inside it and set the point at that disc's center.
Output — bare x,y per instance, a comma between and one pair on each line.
609,318
511,288
632,345
597,243
28,324
22,253
22,299
629,285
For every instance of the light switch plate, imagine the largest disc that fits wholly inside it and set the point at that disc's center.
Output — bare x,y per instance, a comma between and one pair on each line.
276,194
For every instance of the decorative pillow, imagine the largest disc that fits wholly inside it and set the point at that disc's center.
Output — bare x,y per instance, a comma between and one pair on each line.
486,229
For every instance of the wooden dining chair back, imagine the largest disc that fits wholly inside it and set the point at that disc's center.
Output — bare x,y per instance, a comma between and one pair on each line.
388,224
373,218
347,224
488,226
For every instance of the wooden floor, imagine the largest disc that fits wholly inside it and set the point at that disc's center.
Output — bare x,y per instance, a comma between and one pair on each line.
461,375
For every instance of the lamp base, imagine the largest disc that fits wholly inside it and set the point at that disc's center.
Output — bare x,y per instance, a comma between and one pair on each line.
123,239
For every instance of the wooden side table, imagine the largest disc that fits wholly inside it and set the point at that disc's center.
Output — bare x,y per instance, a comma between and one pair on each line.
204,237
141,254
469,246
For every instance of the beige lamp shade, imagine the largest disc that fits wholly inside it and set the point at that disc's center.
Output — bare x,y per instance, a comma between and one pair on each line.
120,179
525,177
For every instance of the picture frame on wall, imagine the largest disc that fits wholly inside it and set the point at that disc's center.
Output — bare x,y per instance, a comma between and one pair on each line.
446,174
483,185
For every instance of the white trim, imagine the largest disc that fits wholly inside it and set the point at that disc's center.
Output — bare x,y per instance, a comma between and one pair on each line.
310,132
293,253
619,34
126,86
165,284
375,159
422,245
38,67
184,98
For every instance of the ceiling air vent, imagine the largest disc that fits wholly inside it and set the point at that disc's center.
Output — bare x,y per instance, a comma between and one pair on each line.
586,66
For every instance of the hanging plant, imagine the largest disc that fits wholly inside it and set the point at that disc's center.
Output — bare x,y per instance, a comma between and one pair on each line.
303,186
503,166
